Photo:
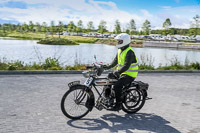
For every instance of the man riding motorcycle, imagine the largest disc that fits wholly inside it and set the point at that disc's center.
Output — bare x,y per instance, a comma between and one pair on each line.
127,67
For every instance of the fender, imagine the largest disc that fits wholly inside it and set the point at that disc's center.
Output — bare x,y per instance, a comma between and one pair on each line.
145,93
141,86
90,95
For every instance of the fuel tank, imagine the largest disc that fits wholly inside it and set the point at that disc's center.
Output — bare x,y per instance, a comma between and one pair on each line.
104,81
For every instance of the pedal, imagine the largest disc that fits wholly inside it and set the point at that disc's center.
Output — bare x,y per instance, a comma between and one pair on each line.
148,98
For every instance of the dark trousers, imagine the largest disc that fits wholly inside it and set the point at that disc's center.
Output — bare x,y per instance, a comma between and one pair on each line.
123,80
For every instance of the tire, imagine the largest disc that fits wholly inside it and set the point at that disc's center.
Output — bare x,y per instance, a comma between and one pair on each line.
134,100
73,101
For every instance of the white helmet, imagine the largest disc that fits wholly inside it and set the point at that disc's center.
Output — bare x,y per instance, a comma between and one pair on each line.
123,40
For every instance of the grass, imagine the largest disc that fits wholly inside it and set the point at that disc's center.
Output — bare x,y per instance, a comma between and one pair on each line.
27,35
48,64
38,36
53,64
80,39
107,41
178,66
77,39
196,44
57,41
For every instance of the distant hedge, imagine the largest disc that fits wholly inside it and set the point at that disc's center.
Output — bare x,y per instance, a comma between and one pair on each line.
57,41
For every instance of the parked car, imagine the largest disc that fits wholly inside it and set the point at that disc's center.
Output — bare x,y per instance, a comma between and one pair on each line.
106,35
197,38
113,35
85,35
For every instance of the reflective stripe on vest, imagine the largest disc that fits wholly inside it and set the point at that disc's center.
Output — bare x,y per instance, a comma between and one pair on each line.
133,69
130,65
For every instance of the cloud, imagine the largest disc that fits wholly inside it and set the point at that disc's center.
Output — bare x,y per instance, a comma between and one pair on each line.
91,10
146,13
166,7
180,16
68,11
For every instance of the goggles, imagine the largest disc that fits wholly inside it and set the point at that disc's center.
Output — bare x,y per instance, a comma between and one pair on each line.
120,42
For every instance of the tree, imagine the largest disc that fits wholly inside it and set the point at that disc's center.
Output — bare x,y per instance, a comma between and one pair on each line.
31,26
38,27
4,27
18,28
196,24
79,27
71,27
132,27
52,27
117,29
102,27
167,24
90,26
44,28
146,27
60,27
25,27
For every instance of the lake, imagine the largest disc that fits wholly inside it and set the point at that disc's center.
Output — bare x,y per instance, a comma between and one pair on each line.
29,51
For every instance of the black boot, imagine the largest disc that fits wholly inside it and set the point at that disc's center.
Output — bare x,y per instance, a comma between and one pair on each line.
117,107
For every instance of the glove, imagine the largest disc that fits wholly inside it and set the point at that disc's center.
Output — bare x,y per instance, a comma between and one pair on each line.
105,67
116,73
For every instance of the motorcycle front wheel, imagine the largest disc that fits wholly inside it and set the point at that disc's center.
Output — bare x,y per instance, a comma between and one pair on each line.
73,103
134,100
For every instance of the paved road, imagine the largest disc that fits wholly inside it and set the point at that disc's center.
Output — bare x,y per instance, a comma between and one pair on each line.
31,104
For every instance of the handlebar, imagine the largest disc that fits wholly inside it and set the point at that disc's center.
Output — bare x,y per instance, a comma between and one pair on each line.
89,67
95,66
98,68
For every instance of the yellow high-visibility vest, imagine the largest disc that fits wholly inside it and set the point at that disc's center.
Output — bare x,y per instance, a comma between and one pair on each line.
133,69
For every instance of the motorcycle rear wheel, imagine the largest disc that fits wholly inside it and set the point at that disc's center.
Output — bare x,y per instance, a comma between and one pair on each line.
134,100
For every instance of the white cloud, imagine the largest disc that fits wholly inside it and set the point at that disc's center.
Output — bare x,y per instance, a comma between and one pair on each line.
67,10
166,7
146,13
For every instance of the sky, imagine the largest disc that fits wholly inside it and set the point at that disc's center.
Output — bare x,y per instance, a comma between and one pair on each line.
180,12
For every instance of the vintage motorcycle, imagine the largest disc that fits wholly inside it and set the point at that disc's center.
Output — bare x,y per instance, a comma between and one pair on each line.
79,100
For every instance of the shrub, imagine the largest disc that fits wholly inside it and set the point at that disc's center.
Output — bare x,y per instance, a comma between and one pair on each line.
3,66
51,64
76,67
195,66
57,41
146,67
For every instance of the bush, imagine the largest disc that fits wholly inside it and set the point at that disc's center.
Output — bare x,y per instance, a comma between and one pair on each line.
137,42
51,64
80,39
35,66
146,67
3,66
107,41
57,41
76,67
18,65
195,66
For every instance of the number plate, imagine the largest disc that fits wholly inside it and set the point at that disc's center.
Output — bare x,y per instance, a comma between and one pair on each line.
73,83
88,81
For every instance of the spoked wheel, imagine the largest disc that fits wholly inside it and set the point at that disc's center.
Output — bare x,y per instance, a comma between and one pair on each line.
73,103
133,101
